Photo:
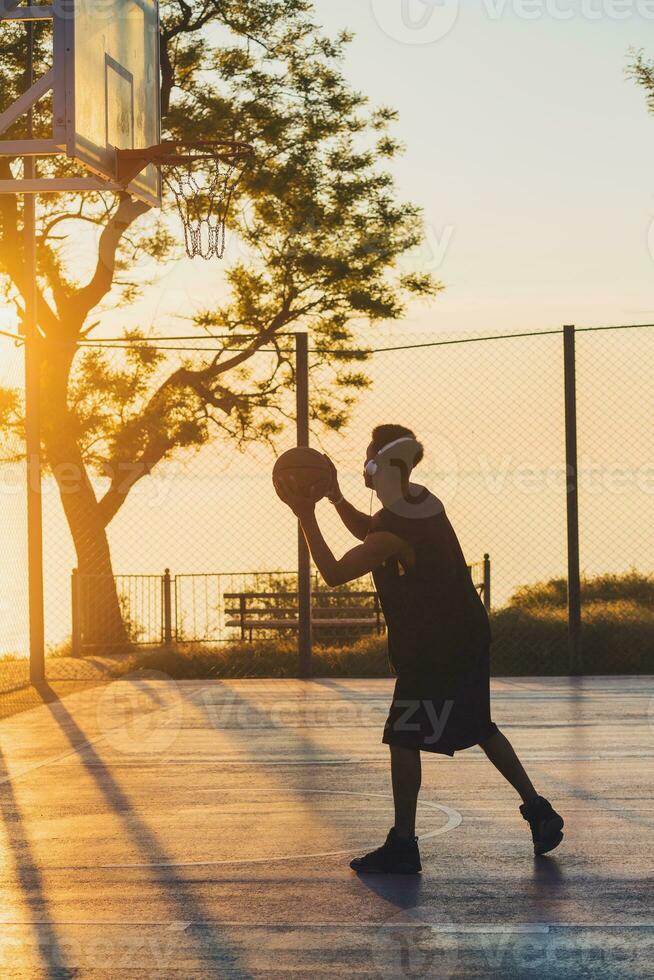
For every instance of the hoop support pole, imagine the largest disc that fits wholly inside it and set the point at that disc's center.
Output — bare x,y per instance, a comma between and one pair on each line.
130,163
26,100
304,555
33,416
57,185
31,148
28,13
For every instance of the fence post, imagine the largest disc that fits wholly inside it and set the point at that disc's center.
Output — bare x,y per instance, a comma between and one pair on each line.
242,611
166,584
378,614
572,494
75,615
487,583
304,556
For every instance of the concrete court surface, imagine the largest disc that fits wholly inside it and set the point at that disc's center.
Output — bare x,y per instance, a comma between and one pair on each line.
153,828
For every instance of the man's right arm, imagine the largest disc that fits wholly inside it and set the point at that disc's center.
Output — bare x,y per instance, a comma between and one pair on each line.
355,520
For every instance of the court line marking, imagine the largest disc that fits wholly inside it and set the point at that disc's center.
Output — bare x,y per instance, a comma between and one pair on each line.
211,760
454,819
518,927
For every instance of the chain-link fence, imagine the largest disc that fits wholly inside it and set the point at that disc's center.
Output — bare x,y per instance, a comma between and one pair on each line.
199,543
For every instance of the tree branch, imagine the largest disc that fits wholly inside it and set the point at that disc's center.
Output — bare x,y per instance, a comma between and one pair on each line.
83,300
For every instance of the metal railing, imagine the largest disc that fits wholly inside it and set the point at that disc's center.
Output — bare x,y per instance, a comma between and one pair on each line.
190,608
141,601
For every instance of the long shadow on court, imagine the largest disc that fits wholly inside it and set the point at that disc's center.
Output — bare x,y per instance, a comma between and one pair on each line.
215,951
30,881
292,733
335,707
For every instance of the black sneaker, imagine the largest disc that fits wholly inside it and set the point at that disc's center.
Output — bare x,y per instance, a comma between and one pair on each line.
396,857
546,824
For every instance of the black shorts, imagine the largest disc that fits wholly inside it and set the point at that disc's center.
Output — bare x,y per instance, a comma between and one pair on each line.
443,713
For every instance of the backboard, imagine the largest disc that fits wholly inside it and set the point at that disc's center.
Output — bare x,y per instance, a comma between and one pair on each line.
112,86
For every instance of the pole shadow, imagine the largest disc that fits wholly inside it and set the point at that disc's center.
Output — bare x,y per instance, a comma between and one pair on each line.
214,951
30,881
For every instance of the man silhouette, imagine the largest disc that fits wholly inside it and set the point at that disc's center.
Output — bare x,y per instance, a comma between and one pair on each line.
438,638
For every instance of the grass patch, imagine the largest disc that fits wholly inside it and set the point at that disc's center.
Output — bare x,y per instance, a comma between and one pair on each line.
10,658
618,638
267,658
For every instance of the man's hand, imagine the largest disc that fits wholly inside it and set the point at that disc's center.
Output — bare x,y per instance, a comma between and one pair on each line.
334,492
288,493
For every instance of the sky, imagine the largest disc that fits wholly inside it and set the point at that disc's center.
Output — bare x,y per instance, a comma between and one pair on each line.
531,155
527,147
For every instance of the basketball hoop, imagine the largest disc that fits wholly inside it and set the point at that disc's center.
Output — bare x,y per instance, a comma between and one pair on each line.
202,177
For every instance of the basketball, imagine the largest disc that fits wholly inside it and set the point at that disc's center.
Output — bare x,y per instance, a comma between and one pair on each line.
305,472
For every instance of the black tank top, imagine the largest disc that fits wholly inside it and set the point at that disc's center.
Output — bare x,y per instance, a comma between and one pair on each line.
435,617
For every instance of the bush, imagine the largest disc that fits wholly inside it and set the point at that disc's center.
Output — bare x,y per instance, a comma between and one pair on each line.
632,586
530,638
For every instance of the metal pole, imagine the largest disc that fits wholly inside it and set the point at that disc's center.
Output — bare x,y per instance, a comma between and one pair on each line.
304,556
32,413
487,583
572,494
166,584
76,623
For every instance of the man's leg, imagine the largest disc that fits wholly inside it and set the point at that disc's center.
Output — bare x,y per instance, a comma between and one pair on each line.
400,853
502,754
406,772
546,824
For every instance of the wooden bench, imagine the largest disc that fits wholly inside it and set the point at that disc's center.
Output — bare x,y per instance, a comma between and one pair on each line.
360,611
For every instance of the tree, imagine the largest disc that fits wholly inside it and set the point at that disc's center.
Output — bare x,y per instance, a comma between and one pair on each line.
322,232
641,70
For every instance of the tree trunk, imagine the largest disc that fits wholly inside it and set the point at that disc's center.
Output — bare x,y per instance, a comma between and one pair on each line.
100,612
101,617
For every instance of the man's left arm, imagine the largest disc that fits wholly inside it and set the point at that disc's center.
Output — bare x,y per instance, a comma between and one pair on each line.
377,548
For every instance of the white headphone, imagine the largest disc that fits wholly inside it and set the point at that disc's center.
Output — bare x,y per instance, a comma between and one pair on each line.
372,466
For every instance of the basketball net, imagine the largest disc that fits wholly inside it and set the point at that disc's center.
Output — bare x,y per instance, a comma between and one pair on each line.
203,186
